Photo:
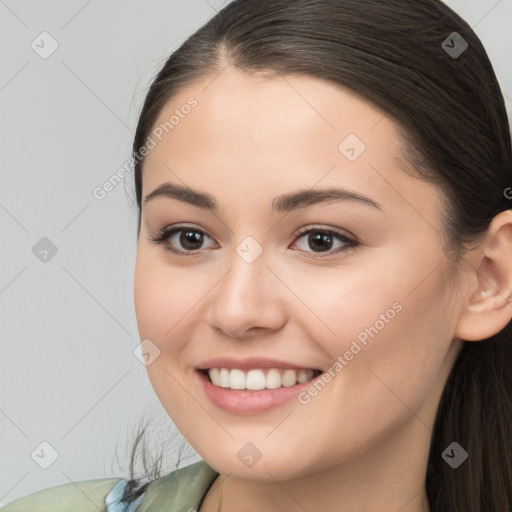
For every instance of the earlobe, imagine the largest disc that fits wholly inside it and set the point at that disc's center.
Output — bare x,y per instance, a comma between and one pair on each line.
488,309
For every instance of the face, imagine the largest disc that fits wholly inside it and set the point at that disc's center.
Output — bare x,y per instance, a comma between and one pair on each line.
343,310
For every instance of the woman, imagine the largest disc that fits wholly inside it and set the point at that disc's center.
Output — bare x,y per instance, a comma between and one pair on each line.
323,284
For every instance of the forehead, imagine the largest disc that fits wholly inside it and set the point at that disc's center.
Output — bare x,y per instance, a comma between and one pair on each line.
256,110
296,131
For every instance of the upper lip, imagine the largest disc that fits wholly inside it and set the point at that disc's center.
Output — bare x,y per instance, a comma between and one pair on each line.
249,363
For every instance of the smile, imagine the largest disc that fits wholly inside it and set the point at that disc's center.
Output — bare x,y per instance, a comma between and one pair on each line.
258,379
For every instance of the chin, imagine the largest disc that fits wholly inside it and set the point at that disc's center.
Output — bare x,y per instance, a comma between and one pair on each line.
285,465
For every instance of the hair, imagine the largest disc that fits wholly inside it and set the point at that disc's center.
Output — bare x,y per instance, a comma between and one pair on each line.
452,119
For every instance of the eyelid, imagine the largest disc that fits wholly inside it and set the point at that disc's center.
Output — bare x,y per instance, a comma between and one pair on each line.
329,229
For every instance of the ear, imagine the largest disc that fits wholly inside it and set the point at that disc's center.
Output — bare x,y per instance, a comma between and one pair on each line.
488,306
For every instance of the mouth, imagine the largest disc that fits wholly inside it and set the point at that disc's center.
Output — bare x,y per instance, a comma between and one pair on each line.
254,385
258,379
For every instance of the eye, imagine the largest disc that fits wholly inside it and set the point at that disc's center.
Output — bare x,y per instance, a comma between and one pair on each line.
190,239
322,239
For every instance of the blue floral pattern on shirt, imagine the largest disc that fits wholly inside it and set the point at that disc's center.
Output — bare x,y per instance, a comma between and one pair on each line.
112,499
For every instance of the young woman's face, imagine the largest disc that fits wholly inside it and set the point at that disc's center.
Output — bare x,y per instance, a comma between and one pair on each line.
367,297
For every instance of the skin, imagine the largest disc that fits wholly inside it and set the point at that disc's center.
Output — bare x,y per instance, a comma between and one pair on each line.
362,443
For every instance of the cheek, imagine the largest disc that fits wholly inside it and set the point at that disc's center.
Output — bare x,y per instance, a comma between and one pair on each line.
394,343
159,306
162,295
391,327
167,300
336,306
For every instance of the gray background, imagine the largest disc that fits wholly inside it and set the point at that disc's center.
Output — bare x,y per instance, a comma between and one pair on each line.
68,375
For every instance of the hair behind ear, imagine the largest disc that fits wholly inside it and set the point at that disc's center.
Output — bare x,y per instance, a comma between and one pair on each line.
476,412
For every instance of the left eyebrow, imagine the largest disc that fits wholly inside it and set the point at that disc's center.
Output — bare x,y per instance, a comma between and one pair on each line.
185,195
305,198
284,203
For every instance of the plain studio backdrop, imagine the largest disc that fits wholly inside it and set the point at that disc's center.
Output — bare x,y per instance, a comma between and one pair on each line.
72,81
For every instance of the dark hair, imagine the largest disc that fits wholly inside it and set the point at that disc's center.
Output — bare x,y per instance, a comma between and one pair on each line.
451,115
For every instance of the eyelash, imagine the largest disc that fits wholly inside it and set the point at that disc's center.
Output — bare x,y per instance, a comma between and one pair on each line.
163,236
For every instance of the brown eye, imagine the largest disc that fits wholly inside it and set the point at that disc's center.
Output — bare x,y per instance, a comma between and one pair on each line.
322,240
190,239
181,240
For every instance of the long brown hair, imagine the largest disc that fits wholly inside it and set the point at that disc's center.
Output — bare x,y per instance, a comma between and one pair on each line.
404,57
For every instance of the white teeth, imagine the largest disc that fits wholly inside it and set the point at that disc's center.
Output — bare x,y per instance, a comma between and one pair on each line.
289,378
273,380
237,379
215,376
223,378
257,379
302,376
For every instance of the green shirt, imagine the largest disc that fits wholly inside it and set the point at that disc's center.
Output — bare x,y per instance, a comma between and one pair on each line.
182,490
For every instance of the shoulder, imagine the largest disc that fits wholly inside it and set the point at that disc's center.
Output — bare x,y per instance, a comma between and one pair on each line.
179,490
84,496
184,487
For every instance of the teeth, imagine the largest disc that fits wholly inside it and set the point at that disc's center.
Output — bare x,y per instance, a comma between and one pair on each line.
273,379
289,378
302,376
255,380
237,379
224,378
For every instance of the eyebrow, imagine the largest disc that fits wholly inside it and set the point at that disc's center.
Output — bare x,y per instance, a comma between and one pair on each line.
284,203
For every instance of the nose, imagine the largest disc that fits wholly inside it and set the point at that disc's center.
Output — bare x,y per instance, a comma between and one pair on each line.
248,299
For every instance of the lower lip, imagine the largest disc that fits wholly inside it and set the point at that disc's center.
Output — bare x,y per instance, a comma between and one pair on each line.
251,402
